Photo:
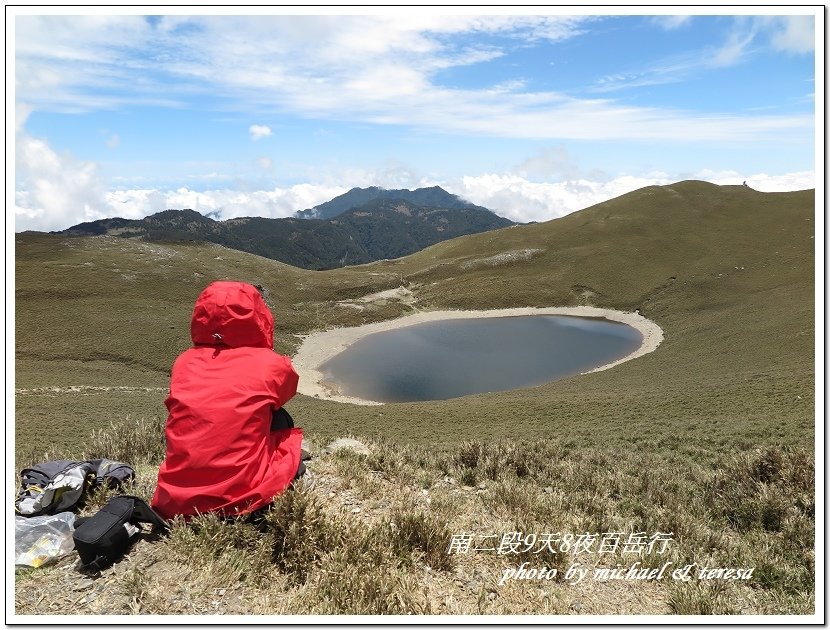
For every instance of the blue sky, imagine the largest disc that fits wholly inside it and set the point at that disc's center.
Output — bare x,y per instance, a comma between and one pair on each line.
533,116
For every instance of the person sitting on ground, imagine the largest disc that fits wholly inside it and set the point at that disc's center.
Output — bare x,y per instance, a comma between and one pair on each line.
224,454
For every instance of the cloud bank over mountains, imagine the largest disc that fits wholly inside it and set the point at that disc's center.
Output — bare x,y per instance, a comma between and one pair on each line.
60,191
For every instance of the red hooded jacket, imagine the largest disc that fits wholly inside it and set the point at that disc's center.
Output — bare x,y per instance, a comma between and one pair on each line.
221,454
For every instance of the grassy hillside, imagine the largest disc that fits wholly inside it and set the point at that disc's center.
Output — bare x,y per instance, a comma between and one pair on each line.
710,437
726,271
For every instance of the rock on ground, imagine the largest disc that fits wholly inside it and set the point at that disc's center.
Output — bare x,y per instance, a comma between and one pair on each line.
348,443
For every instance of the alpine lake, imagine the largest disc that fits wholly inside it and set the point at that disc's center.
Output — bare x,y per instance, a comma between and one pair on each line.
445,359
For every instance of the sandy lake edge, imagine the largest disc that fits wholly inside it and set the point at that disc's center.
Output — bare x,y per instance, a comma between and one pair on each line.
319,347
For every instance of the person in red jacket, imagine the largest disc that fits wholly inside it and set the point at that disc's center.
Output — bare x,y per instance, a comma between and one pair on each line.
222,454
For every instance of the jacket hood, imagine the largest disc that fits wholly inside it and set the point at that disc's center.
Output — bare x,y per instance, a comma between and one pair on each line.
232,314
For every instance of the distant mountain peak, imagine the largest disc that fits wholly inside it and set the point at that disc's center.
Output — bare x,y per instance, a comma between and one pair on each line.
173,213
432,196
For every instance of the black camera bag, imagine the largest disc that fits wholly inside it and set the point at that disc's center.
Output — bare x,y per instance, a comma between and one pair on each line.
105,537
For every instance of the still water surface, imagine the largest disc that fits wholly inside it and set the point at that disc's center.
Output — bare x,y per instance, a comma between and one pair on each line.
456,357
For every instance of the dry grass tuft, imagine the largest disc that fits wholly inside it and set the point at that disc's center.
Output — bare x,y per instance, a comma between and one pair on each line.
301,533
135,441
765,488
415,532
695,598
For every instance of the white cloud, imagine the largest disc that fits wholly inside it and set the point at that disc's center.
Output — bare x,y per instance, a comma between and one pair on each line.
671,22
551,163
748,35
53,191
393,175
521,200
229,204
794,34
113,141
82,63
762,181
82,37
734,50
259,131
380,69
134,204
21,115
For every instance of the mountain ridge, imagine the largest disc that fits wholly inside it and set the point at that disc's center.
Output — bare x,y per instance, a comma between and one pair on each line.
380,228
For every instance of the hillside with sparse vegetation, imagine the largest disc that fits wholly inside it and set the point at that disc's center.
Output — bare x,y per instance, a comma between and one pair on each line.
381,224
710,437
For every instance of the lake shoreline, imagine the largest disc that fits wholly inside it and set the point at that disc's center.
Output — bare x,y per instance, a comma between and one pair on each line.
319,347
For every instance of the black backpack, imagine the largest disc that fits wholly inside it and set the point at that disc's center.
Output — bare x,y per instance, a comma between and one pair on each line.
105,537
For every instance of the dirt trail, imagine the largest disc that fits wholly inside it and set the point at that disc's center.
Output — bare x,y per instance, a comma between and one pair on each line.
86,389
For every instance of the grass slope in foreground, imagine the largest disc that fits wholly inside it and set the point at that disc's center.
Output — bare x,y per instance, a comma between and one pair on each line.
702,437
371,535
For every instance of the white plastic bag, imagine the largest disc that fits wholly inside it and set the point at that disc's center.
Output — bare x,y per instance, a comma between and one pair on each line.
42,539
